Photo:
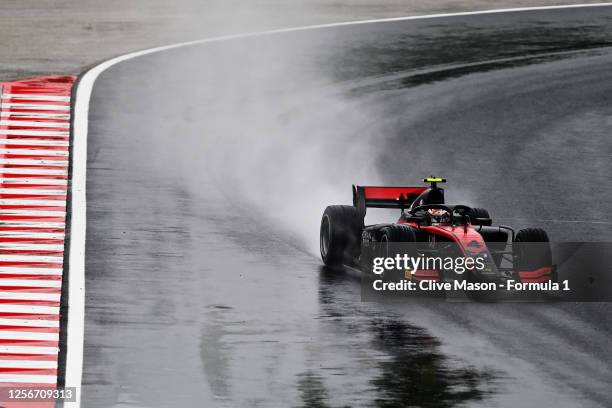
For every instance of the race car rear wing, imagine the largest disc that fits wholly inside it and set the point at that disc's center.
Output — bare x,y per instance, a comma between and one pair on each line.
384,197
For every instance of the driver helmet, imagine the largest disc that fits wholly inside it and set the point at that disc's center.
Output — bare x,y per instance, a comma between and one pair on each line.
439,215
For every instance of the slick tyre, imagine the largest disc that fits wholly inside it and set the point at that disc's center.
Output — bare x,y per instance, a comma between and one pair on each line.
532,249
478,213
395,233
340,235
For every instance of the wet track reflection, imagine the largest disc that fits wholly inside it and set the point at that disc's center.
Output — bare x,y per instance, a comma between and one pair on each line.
413,371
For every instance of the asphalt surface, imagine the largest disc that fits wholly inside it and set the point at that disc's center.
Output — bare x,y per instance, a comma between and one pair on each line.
209,167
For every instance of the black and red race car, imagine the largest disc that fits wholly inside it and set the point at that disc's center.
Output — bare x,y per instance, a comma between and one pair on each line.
431,225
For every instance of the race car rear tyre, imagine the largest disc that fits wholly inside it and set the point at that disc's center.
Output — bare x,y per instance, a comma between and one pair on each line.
340,235
479,213
528,256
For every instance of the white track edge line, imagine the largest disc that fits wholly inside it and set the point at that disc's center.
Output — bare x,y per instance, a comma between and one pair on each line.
84,87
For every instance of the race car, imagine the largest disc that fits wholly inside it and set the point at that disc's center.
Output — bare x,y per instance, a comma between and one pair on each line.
428,225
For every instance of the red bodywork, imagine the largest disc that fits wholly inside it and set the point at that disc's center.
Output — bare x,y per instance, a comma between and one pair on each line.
391,193
470,242
468,239
385,197
461,235
543,274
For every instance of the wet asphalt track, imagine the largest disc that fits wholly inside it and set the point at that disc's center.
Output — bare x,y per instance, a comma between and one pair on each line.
209,168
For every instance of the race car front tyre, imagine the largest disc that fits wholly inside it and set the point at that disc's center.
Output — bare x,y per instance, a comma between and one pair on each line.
532,250
340,235
397,233
496,240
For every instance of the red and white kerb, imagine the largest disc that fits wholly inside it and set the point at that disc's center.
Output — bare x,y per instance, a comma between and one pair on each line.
34,155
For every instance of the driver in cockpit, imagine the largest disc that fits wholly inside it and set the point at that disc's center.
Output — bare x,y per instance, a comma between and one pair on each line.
439,216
